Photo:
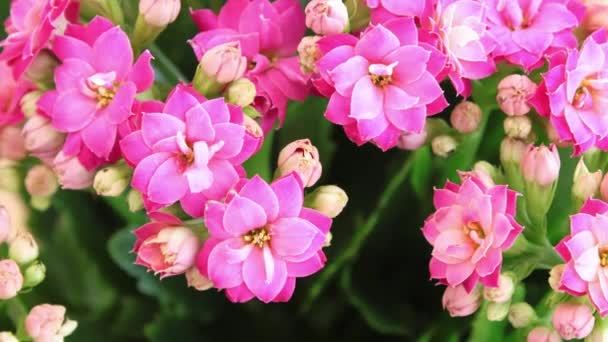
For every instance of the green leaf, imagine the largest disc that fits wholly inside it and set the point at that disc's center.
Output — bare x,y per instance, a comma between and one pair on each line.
484,330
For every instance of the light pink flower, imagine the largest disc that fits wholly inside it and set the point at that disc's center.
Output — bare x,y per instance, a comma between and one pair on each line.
40,181
383,86
527,31
585,251
96,86
165,246
41,139
384,10
194,145
11,93
574,94
543,334
541,164
44,322
71,173
573,320
514,94
301,157
224,63
12,145
269,34
474,223
31,26
159,13
326,17
11,279
459,303
262,239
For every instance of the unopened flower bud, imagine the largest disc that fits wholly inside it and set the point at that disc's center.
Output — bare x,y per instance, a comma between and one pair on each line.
240,92
41,70
586,184
309,53
42,140
252,126
159,13
555,277
465,117
197,280
68,328
540,165
412,141
71,173
301,157
359,14
327,199
29,103
543,334
521,315
518,127
135,201
512,151
497,311
12,146
573,320
9,178
514,92
459,303
7,336
502,293
23,248
327,17
41,181
34,274
111,181
443,145
219,66
11,280
488,169
47,322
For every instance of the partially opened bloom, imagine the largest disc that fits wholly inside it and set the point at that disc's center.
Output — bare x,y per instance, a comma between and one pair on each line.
543,334
159,13
383,86
459,303
514,94
326,16
96,86
585,252
474,223
191,151
262,239
573,320
11,279
71,173
528,31
45,321
41,139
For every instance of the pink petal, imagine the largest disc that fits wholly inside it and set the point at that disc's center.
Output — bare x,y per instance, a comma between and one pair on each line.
225,265
179,102
367,100
338,109
239,294
255,274
145,169
66,47
287,291
377,43
218,110
412,62
232,136
409,120
243,215
133,148
169,172
214,219
260,192
99,136
73,111
119,109
289,192
293,236
198,125
490,262
112,52
345,75
322,222
572,281
158,126
142,73
456,274
307,267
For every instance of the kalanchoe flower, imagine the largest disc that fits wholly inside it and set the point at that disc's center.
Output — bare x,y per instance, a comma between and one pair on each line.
585,252
460,303
326,17
195,146
541,164
46,322
466,116
11,279
383,86
528,31
219,66
573,320
41,139
474,223
96,87
165,246
514,94
301,157
41,181
262,239
574,95
12,91
159,13
543,334
71,173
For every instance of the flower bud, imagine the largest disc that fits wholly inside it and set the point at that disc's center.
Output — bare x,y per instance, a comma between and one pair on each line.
41,70
514,92
159,13
7,336
197,280
518,127
5,224
40,181
301,157
309,53
71,173
135,201
359,14
34,274
512,151
11,280
543,334
465,117
219,66
555,277
497,311
111,181
412,141
23,248
9,179
29,103
443,145
483,169
596,15
17,211
586,184
521,315
240,92
252,126
459,303
540,165
41,139
502,293
573,320
327,199
12,146
327,17
45,323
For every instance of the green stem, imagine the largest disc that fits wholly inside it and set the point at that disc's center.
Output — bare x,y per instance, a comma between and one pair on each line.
170,70
353,248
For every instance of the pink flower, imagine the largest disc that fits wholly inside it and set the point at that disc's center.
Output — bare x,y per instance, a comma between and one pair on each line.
543,334
384,10
31,26
269,34
44,322
71,173
528,31
194,145
165,246
224,63
41,139
262,239
474,223
96,86
326,17
11,279
541,164
11,93
514,94
573,320
585,252
301,157
459,303
574,94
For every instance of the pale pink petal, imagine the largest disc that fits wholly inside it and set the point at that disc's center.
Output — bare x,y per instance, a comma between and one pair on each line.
243,215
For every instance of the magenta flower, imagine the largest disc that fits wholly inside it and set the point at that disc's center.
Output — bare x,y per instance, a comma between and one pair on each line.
31,26
262,239
11,93
96,86
585,252
574,94
269,34
474,223
383,86
194,145
527,31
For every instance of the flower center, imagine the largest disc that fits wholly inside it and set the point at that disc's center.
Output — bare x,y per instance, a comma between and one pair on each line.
603,254
475,232
168,256
381,74
258,237
103,87
582,97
